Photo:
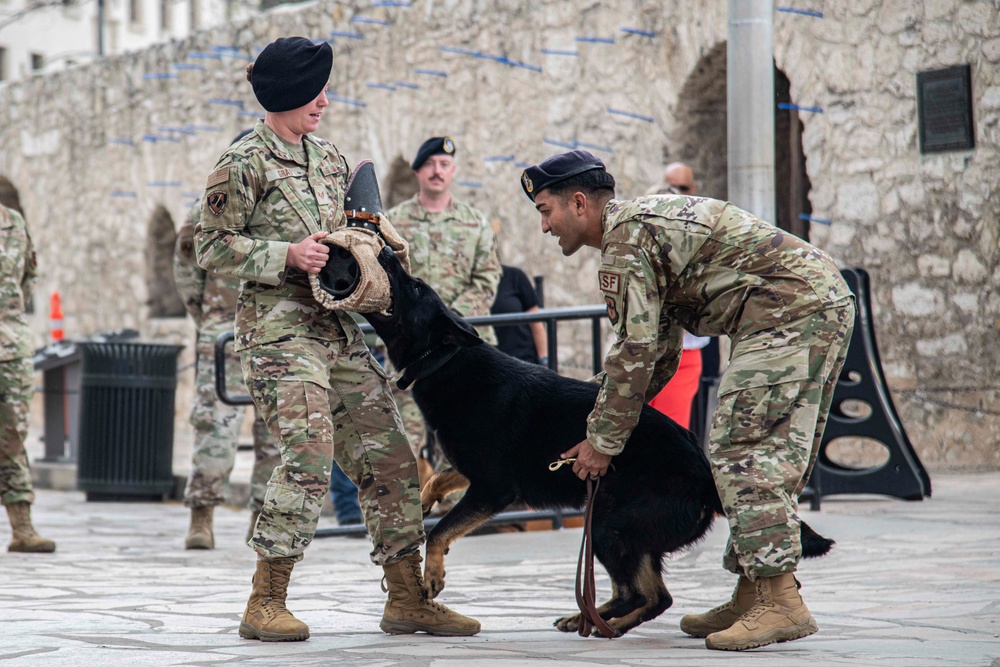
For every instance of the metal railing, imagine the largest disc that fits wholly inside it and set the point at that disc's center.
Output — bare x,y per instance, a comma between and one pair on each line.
550,316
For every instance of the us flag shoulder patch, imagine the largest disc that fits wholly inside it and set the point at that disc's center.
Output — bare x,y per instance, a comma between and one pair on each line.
218,176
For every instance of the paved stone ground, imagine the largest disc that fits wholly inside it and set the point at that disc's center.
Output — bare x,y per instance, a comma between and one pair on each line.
909,584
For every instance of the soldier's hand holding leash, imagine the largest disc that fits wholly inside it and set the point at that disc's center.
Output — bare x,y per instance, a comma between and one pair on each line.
589,462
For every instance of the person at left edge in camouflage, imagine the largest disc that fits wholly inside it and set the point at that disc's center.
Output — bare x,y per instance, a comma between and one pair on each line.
671,263
452,249
271,199
17,275
210,299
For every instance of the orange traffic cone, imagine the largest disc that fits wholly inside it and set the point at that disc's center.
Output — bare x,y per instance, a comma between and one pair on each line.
55,316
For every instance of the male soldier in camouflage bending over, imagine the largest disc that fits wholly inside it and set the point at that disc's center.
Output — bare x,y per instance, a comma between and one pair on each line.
272,197
674,262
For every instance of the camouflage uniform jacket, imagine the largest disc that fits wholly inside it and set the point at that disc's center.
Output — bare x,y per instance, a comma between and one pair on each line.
260,199
209,298
18,270
673,262
454,251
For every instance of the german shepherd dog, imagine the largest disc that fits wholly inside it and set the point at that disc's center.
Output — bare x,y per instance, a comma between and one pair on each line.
502,421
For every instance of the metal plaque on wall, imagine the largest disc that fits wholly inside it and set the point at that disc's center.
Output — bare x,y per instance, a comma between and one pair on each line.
944,108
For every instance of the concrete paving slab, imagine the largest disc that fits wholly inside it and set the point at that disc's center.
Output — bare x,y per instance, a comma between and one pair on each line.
912,584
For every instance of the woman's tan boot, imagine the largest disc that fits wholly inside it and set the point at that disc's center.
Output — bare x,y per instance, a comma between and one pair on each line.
266,617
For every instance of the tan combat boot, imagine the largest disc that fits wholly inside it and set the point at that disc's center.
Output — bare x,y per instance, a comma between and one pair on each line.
778,615
723,616
200,533
266,617
24,539
409,610
253,524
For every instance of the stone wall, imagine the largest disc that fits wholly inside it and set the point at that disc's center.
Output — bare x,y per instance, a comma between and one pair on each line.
99,153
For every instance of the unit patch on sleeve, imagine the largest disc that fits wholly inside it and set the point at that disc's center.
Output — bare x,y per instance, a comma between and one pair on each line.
612,310
217,202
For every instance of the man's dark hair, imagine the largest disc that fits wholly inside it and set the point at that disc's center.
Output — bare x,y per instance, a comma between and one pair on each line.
590,183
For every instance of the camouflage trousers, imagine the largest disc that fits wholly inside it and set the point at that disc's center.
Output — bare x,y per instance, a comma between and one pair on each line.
326,400
16,388
216,434
774,400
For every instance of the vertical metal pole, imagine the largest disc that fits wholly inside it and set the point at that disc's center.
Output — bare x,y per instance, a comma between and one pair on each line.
553,345
750,106
595,337
100,28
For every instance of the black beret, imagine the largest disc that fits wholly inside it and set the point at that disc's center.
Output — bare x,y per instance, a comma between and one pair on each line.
557,169
290,72
433,146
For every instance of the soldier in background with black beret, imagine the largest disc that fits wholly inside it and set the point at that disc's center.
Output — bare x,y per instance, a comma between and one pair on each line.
671,263
452,249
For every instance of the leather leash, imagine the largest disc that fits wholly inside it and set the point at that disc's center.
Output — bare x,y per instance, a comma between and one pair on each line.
586,589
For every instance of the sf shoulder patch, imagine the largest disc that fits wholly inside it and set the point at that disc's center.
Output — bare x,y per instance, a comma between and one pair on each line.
217,202
610,282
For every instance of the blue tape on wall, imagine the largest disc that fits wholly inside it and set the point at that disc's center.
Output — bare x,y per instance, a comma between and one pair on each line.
804,12
822,221
796,107
629,114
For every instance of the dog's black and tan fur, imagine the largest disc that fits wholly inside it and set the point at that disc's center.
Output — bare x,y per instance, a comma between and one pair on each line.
501,422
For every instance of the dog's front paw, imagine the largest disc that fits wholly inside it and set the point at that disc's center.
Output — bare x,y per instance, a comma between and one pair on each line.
434,574
568,623
434,583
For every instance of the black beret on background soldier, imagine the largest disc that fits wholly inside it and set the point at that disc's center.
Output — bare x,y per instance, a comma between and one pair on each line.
272,200
671,263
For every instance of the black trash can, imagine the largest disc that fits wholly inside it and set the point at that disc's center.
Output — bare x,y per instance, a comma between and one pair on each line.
126,436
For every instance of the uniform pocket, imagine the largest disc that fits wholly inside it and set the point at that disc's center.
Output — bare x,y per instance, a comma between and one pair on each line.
284,499
303,412
759,390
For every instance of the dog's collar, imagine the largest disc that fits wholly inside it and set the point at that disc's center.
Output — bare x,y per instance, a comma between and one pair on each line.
426,364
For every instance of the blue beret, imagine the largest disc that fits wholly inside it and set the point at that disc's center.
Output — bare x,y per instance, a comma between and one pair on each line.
433,146
290,72
557,169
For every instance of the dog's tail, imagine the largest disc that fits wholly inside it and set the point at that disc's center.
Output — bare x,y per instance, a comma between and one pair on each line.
814,545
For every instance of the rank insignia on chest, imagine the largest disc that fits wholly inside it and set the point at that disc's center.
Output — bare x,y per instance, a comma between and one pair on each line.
217,202
609,282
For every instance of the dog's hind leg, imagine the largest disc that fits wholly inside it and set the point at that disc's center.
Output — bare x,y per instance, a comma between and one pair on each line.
615,606
650,596
440,485
473,510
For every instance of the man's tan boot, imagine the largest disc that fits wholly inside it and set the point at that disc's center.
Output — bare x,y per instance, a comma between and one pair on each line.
409,610
266,617
200,533
723,616
778,615
24,539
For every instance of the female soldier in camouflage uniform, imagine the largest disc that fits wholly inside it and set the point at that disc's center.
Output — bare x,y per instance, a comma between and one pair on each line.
671,263
272,196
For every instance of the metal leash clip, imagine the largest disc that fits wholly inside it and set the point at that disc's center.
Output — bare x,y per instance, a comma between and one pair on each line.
555,465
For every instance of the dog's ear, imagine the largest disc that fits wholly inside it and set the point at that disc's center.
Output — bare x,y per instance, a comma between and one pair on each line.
461,333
